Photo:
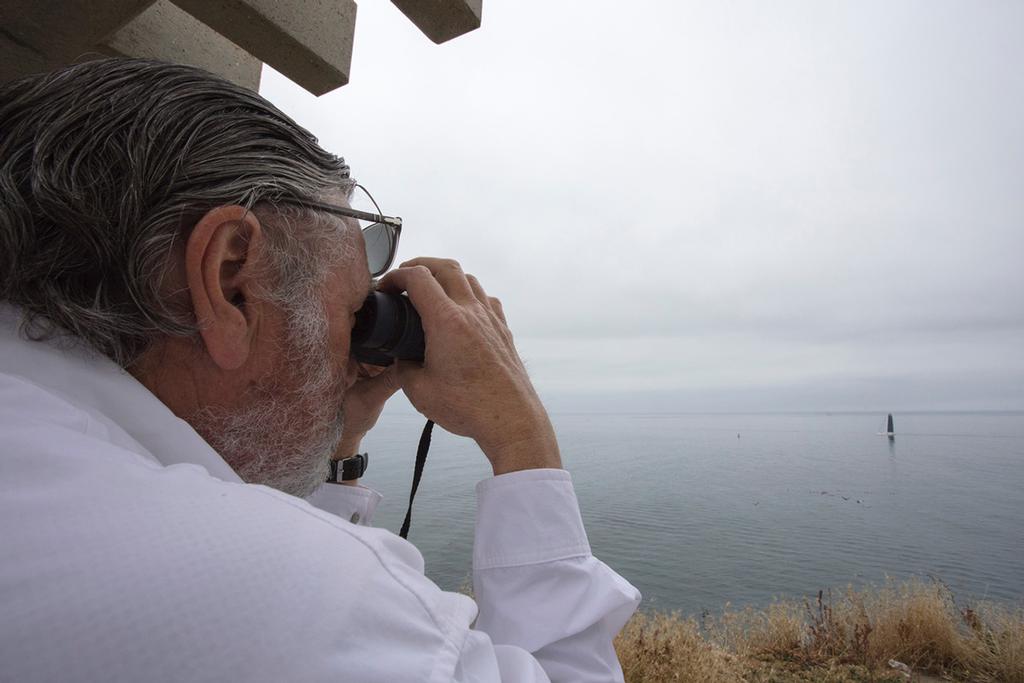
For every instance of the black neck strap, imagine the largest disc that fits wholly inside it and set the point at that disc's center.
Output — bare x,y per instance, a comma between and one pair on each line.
421,460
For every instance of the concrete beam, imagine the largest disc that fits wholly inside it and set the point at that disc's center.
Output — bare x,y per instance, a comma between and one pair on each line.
309,41
442,20
168,33
18,59
38,36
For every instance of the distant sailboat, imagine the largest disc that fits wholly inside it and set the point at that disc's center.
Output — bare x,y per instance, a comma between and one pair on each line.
889,431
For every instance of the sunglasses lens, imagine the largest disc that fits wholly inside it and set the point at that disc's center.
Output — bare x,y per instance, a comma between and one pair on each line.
380,245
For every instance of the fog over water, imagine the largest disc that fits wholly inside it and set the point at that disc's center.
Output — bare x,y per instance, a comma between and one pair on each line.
714,206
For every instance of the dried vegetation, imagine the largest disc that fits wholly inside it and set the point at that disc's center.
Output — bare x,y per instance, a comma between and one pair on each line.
872,634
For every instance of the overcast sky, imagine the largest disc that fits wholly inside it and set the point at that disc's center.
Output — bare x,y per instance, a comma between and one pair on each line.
714,205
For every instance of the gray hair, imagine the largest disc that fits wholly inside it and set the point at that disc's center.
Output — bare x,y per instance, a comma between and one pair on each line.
106,166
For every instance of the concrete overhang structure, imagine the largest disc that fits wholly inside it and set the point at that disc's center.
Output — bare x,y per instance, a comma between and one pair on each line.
309,41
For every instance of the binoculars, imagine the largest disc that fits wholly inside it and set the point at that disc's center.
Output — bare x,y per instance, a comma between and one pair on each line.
387,329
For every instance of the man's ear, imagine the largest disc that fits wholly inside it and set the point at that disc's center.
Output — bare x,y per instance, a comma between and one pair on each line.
221,270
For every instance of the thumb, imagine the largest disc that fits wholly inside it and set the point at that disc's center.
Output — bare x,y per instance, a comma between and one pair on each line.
410,376
380,387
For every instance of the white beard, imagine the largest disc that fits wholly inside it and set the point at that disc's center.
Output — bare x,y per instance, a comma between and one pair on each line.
292,424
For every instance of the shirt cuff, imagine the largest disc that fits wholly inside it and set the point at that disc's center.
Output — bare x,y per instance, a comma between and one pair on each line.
355,504
527,517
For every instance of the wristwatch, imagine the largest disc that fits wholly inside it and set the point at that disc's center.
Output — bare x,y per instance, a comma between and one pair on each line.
348,468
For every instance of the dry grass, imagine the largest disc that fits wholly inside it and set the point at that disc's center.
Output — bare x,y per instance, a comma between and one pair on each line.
664,647
997,643
915,623
778,631
845,638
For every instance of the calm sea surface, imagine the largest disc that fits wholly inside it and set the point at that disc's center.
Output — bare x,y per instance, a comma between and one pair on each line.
700,510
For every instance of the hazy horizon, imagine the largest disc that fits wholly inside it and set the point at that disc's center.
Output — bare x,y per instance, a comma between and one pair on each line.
694,206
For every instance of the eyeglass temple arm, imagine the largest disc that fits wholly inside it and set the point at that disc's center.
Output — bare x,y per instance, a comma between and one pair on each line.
349,213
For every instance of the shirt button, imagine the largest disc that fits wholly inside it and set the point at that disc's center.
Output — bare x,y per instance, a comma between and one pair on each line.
354,518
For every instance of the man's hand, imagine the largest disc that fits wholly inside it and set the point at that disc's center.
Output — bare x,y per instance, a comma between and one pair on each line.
364,402
472,381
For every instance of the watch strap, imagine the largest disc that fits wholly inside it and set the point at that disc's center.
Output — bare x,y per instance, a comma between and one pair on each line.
349,468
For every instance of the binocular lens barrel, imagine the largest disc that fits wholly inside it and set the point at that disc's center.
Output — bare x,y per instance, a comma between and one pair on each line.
387,328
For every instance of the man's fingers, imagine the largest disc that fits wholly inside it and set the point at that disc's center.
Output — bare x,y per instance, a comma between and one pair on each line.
489,301
410,375
478,290
498,309
425,293
382,386
366,370
449,274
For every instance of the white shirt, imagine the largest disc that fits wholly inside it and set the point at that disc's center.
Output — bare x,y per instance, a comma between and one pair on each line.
130,551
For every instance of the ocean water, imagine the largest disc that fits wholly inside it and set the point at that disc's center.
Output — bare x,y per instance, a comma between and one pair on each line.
700,510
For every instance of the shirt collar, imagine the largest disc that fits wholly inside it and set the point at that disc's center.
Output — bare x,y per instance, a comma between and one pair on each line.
96,384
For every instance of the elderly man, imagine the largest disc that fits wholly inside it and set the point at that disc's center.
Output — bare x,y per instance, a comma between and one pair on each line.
178,299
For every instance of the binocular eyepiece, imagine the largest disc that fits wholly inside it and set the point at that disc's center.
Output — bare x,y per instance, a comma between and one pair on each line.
387,329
